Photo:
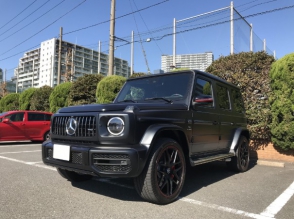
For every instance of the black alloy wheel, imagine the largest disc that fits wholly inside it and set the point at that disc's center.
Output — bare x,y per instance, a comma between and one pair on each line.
240,162
163,177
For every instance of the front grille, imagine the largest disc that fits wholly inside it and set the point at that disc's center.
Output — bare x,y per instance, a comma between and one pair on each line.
112,163
86,126
75,157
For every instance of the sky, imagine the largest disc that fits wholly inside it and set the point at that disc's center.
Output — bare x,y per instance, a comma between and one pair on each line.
24,24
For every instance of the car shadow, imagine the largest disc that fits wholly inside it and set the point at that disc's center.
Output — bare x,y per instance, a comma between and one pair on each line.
123,189
5,143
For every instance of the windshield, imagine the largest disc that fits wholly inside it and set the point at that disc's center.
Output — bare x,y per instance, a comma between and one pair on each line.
165,88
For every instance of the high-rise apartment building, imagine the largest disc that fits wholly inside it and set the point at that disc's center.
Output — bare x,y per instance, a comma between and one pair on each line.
199,61
39,67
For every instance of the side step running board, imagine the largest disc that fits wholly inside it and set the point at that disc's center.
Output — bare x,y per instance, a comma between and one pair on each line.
203,160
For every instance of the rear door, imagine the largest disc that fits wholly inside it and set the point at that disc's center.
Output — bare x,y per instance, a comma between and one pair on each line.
227,118
14,128
37,123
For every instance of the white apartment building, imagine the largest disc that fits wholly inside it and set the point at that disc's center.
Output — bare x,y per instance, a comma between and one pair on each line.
199,61
39,67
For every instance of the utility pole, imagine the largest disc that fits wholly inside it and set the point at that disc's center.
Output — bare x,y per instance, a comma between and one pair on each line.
99,57
232,28
111,38
59,57
132,53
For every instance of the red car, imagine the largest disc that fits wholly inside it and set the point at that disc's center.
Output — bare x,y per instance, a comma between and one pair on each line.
25,125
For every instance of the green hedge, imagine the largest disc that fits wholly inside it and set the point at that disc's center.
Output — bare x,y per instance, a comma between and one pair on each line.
10,102
25,98
40,99
59,96
108,88
282,102
250,72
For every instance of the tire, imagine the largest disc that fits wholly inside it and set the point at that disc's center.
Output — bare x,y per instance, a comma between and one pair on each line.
46,136
163,177
240,162
73,176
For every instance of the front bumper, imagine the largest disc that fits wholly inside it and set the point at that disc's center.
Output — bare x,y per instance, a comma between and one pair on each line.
100,160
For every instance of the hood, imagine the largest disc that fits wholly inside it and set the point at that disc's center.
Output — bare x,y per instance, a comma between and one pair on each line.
121,107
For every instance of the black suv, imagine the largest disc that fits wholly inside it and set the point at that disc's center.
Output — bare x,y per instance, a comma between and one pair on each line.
156,127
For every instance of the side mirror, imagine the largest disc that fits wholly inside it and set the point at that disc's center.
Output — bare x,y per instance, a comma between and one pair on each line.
203,100
6,120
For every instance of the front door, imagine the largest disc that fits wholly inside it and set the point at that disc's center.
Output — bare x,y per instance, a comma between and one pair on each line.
205,118
13,128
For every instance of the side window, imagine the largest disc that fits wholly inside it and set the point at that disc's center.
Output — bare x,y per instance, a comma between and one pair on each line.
47,117
237,101
15,117
203,90
223,97
36,117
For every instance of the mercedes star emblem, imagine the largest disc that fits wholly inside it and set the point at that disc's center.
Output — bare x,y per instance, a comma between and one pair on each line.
71,126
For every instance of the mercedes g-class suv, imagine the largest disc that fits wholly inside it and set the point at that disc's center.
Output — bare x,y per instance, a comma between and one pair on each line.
155,127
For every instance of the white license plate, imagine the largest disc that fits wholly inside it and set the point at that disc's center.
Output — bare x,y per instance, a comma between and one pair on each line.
61,152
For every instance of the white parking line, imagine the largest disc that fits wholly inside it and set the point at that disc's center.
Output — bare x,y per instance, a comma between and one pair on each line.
269,212
225,209
279,203
22,145
17,152
28,163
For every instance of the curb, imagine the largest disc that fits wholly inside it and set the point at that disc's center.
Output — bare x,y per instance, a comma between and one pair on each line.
270,163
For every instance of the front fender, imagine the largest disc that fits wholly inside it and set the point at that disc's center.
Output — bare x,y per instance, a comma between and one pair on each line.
150,136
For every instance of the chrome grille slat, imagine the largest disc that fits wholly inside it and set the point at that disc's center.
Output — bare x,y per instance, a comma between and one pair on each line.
86,126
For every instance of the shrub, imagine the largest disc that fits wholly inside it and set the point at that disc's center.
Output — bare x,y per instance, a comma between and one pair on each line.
250,72
139,74
282,102
40,99
83,91
10,102
59,96
108,88
25,98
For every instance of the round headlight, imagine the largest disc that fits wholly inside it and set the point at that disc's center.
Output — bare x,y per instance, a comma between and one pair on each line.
115,126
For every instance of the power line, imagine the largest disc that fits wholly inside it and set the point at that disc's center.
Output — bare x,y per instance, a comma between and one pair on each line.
43,28
32,21
103,22
18,14
191,29
226,21
20,52
25,17
143,50
147,27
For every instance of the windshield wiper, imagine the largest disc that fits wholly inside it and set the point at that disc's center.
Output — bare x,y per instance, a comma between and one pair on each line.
127,100
159,98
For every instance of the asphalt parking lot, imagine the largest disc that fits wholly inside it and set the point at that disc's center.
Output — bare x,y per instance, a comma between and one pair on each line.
30,189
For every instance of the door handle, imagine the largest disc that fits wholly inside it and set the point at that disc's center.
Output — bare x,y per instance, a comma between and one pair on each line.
215,123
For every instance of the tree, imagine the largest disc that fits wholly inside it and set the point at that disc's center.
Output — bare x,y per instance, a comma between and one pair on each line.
138,74
250,72
179,69
10,102
40,99
83,91
59,96
25,98
108,88
282,102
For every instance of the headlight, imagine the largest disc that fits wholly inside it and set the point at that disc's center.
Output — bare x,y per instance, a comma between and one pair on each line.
115,126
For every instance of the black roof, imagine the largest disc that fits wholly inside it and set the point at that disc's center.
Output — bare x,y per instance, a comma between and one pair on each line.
206,74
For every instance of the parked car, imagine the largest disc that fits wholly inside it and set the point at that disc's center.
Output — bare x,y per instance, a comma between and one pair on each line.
25,125
156,126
